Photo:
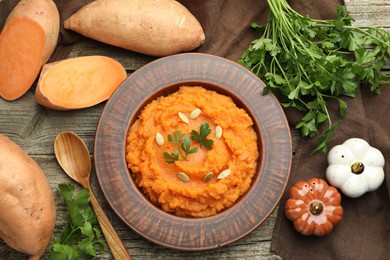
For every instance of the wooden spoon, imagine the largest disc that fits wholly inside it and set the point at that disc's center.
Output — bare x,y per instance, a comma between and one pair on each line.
73,156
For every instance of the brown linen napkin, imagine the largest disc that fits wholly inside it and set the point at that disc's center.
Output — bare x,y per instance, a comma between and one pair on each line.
364,232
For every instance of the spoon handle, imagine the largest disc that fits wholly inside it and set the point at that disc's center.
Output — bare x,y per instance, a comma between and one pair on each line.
115,244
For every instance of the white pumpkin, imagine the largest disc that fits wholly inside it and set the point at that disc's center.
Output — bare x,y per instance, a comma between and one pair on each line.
355,167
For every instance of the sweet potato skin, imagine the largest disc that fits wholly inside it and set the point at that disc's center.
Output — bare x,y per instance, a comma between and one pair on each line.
44,12
153,27
27,209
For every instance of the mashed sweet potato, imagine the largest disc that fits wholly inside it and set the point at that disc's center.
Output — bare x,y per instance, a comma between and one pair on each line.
180,186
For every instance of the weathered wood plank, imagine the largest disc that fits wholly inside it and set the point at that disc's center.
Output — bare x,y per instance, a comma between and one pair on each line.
34,127
370,12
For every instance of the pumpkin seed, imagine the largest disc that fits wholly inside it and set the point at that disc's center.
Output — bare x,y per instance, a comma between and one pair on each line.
218,131
224,174
184,177
183,118
195,113
159,139
208,176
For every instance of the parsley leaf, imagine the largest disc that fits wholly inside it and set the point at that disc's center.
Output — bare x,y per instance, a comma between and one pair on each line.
185,145
171,158
201,136
81,236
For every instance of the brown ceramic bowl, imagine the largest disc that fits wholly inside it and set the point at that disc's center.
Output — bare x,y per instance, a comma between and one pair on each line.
164,76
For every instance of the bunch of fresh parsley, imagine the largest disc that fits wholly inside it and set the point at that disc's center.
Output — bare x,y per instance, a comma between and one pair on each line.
81,236
307,62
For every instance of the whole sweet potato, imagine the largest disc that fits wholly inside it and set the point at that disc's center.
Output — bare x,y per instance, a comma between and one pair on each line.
153,27
27,209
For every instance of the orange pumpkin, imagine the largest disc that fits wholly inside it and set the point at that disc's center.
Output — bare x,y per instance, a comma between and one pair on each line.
314,207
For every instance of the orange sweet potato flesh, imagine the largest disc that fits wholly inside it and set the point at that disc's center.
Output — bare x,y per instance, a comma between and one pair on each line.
21,50
77,83
27,41
46,14
153,27
27,209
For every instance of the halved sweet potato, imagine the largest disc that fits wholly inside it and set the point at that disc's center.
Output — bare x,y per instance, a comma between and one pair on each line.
27,41
80,82
22,44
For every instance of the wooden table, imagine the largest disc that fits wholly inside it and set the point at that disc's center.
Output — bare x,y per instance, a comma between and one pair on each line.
34,128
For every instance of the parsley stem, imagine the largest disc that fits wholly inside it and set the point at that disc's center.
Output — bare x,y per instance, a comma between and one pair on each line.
284,74
324,108
184,156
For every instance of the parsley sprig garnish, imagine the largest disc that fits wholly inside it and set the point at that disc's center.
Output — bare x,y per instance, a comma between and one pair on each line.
201,136
307,63
81,236
183,147
184,143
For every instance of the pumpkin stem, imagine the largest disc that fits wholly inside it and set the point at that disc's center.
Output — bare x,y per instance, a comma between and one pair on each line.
357,167
316,207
